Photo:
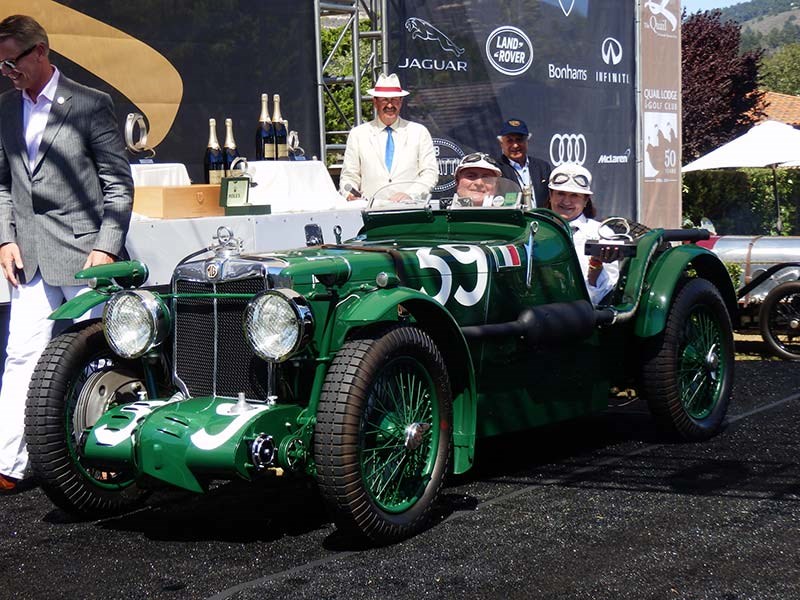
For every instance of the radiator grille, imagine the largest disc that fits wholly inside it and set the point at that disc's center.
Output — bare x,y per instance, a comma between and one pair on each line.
210,342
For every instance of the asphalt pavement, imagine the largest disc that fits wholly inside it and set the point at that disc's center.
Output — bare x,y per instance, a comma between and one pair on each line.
594,509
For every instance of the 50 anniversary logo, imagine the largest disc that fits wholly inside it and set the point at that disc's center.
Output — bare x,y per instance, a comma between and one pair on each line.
130,66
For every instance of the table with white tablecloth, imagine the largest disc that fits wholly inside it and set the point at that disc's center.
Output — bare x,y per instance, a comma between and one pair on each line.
160,174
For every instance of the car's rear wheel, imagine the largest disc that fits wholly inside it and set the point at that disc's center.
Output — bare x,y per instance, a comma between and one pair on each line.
382,436
77,379
687,374
779,320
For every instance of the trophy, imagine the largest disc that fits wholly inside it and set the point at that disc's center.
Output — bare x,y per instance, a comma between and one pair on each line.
135,123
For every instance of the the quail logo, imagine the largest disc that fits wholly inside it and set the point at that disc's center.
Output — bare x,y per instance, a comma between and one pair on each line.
611,50
509,50
448,155
422,30
566,9
662,21
615,159
568,148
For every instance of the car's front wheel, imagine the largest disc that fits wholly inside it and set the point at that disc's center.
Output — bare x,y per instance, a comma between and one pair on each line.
382,435
77,379
687,373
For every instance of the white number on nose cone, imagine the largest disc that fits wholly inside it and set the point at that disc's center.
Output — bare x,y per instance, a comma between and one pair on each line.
466,255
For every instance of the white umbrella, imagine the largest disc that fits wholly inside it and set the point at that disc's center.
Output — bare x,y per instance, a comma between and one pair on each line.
769,144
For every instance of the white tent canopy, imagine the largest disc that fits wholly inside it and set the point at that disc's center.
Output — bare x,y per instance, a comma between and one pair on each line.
770,143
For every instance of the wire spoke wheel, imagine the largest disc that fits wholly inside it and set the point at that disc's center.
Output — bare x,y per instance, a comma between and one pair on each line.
779,320
382,436
397,443
687,374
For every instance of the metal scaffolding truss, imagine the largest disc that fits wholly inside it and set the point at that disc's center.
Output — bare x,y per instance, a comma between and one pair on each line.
351,13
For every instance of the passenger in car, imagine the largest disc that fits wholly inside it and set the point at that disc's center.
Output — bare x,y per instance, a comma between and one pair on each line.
571,197
476,180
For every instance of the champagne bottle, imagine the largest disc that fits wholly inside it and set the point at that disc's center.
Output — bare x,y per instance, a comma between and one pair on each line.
230,153
265,134
214,163
281,131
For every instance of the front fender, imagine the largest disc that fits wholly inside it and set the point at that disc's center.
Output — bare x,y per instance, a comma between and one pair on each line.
662,280
106,279
381,306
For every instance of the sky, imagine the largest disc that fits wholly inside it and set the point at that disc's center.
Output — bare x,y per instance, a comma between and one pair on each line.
693,6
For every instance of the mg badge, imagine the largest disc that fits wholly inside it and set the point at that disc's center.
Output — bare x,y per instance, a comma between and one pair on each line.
212,270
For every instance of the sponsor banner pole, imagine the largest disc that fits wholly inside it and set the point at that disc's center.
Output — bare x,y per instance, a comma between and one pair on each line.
660,120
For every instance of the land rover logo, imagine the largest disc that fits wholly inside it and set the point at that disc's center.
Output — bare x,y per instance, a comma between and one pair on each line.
509,50
448,155
212,270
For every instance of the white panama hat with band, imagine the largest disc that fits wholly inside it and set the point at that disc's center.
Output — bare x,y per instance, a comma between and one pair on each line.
388,86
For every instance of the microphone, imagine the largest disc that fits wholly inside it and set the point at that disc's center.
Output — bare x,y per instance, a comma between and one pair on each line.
351,190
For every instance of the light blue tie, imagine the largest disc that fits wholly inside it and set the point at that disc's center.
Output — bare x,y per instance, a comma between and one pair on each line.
389,149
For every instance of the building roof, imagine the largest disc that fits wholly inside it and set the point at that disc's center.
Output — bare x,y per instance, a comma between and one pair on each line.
782,107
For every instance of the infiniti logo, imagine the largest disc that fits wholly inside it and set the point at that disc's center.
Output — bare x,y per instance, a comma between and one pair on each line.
611,51
567,147
565,10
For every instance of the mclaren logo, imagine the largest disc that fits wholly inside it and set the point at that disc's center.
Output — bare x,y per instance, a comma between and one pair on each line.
568,148
148,79
423,30
611,51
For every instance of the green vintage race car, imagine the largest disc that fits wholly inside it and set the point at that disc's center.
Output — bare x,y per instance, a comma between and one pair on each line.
370,365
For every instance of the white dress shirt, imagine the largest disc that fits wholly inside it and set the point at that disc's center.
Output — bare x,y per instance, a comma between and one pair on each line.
34,115
584,229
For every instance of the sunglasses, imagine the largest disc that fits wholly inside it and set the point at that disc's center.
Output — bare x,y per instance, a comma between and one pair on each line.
581,180
478,157
11,63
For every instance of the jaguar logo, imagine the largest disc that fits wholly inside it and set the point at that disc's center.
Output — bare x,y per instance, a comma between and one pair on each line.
421,29
212,270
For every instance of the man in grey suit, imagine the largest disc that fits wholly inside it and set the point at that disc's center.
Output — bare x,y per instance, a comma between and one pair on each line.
65,204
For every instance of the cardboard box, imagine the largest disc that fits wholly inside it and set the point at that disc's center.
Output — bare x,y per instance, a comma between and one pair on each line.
178,202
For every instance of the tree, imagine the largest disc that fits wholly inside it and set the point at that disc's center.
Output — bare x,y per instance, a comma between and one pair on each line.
721,99
781,71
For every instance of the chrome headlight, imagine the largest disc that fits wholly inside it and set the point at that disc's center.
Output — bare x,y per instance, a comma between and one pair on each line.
134,322
277,324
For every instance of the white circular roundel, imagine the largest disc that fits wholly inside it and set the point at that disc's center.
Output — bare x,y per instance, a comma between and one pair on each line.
509,50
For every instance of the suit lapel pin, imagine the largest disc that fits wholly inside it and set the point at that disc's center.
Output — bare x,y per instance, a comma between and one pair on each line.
60,100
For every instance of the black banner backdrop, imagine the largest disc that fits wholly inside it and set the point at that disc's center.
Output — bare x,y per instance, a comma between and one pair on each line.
566,67
226,54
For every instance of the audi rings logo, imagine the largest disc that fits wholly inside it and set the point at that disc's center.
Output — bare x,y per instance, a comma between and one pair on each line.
611,51
509,50
567,148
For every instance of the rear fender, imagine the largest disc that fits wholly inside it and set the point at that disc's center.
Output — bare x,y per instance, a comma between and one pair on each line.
382,306
662,280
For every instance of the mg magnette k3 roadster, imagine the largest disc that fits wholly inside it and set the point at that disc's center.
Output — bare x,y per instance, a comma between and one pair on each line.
371,365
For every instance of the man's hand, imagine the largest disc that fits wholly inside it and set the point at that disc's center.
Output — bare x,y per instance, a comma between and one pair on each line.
96,257
11,261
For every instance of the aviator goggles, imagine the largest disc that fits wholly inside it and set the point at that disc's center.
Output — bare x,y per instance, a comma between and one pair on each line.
562,178
11,63
478,157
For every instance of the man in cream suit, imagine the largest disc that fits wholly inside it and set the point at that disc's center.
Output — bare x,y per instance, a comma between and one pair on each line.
66,195
388,148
